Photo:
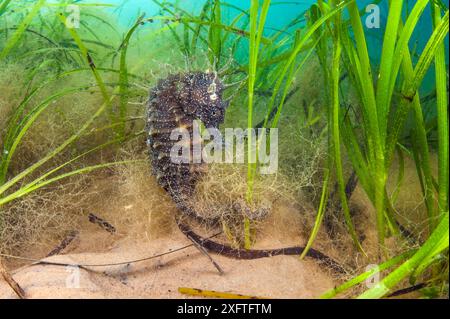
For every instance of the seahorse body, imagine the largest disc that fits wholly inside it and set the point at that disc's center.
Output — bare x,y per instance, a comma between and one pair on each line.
174,104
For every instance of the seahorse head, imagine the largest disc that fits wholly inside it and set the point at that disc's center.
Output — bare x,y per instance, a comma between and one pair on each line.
201,98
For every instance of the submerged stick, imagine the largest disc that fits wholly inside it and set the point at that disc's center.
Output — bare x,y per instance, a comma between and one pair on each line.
11,282
214,294
204,252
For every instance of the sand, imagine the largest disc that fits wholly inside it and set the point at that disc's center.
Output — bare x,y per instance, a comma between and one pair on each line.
143,216
276,277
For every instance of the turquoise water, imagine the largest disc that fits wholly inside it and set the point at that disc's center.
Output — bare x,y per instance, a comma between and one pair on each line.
280,13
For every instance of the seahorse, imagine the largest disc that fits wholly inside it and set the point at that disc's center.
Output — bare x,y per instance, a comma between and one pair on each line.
174,104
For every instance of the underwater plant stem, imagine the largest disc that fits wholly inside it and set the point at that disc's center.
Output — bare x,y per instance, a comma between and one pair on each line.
422,158
376,152
383,97
256,33
335,122
251,88
320,213
442,115
123,79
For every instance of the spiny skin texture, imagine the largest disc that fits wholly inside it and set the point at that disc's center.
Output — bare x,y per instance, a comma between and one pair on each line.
175,103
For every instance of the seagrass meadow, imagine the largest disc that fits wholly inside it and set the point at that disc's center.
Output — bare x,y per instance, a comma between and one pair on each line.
358,93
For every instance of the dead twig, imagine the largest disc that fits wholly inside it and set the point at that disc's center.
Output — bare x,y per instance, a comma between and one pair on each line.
11,282
214,294
204,252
